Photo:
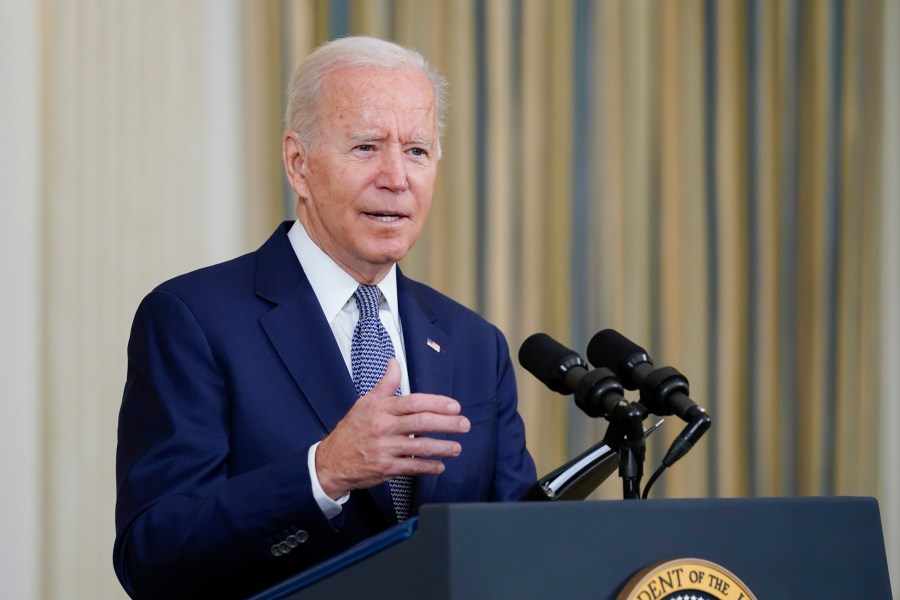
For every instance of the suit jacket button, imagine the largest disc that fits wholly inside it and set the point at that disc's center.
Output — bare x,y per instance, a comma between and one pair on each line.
284,547
276,550
301,536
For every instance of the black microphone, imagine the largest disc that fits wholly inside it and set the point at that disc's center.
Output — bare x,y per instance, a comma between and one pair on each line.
561,369
599,394
664,391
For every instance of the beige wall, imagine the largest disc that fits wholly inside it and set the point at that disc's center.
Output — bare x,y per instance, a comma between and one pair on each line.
21,323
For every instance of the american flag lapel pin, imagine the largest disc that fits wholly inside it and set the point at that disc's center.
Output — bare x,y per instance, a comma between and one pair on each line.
433,345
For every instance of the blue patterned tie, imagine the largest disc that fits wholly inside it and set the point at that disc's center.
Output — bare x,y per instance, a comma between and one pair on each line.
369,353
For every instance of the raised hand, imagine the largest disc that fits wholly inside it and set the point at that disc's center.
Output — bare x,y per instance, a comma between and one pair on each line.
372,442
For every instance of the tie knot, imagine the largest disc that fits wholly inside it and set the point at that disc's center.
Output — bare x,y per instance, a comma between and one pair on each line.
368,297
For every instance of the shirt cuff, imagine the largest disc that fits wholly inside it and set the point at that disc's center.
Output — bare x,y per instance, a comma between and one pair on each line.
331,508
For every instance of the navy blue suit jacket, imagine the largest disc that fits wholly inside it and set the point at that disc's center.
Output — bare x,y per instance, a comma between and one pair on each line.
233,373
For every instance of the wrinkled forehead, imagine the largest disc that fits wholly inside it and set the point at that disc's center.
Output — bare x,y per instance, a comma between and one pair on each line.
371,89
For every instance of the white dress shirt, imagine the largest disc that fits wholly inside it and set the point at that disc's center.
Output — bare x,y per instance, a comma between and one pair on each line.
334,289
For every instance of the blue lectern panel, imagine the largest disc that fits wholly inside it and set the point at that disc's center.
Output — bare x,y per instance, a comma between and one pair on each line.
779,547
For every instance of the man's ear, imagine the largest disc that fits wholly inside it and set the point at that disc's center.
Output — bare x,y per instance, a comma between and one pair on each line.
295,154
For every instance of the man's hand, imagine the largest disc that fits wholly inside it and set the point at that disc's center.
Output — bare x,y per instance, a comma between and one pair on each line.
372,442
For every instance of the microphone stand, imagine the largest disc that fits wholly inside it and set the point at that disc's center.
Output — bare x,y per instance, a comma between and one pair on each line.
579,477
625,434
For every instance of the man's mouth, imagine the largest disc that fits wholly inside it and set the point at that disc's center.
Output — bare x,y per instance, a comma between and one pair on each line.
385,217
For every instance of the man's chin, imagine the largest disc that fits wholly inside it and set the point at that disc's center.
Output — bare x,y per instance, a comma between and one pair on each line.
388,251
372,265
386,259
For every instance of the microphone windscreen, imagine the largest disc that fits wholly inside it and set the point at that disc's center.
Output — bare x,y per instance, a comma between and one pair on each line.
611,349
543,357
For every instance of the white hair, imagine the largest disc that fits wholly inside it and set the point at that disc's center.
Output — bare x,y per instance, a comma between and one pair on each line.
301,114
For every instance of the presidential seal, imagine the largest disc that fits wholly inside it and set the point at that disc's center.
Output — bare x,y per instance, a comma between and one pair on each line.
685,579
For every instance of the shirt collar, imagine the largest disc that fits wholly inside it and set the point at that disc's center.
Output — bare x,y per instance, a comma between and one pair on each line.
332,285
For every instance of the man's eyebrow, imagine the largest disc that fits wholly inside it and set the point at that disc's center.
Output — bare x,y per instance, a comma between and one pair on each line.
363,136
367,136
422,140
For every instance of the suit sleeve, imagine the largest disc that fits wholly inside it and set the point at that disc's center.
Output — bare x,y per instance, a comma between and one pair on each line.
181,520
514,472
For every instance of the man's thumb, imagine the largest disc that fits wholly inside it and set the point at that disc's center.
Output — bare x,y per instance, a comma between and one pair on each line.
390,383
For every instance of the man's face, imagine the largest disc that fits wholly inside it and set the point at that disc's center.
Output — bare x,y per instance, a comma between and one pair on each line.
365,185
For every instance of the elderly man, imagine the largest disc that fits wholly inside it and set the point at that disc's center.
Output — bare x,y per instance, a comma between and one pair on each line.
287,404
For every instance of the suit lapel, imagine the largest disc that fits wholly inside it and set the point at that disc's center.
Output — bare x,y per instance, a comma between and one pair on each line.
299,332
429,358
427,346
305,343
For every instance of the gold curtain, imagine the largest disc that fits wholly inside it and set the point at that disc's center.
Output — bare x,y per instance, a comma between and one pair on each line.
701,176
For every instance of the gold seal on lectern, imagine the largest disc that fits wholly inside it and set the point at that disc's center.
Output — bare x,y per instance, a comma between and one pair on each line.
685,579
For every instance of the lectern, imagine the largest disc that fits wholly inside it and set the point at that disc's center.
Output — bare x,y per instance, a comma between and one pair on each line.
779,547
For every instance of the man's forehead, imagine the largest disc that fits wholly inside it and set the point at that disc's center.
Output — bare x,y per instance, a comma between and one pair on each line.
406,87
368,104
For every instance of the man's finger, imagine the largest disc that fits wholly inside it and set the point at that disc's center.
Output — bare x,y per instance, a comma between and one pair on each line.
427,447
425,403
413,465
424,423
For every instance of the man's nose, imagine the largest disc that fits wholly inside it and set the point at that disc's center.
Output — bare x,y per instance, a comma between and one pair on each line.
393,175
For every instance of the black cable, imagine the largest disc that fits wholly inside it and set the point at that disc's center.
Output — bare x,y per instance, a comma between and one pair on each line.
652,480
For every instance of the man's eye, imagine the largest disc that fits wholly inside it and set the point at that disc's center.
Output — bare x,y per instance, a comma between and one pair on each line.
418,152
365,147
